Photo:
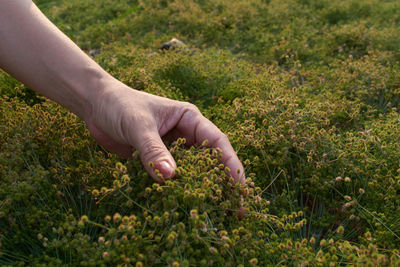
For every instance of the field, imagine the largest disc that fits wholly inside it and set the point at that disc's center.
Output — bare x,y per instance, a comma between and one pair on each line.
308,93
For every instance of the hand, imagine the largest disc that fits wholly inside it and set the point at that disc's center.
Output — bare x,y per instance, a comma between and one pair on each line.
118,117
124,118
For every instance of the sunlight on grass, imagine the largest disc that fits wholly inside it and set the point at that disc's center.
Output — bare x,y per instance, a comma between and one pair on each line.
308,94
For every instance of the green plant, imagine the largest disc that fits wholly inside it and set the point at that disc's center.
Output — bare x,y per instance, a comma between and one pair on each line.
308,94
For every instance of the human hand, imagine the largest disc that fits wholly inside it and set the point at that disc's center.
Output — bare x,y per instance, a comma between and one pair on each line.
123,118
118,117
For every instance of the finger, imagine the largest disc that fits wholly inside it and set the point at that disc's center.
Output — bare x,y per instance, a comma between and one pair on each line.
216,139
204,129
155,156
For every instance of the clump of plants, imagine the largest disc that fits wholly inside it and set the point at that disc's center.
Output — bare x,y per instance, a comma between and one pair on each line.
115,214
310,107
199,218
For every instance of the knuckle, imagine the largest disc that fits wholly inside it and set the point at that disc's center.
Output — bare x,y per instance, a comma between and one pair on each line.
191,108
190,111
151,150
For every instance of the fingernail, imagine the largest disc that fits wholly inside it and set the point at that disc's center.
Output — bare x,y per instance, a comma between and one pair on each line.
165,169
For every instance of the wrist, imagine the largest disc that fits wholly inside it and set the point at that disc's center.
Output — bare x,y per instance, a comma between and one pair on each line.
88,88
103,94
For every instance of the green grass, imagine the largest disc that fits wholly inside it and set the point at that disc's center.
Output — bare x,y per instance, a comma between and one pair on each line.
308,93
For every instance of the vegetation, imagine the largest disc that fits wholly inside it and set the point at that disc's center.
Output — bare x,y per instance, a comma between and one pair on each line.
308,92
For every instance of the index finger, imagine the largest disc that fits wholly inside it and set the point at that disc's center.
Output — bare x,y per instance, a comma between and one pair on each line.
201,129
217,139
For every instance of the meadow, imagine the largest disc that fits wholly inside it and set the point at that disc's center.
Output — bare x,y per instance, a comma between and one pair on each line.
308,93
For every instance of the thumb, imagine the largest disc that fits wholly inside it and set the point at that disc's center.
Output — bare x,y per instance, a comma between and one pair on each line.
155,156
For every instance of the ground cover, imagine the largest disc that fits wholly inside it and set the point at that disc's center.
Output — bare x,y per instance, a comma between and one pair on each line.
308,93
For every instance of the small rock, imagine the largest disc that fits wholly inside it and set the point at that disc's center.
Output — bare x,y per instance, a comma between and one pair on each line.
173,44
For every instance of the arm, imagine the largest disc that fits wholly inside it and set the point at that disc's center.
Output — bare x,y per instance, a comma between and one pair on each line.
35,52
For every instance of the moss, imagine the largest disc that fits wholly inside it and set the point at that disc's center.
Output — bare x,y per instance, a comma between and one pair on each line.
307,92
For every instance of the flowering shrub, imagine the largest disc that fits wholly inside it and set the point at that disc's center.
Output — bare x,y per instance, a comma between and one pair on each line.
310,106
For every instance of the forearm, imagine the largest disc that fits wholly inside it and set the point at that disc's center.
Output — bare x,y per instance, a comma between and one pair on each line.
35,52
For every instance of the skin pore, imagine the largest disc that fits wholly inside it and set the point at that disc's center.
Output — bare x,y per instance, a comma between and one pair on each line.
119,118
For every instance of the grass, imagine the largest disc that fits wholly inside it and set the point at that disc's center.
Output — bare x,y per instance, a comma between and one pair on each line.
308,94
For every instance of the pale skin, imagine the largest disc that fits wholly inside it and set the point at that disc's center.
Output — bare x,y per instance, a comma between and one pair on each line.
119,118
